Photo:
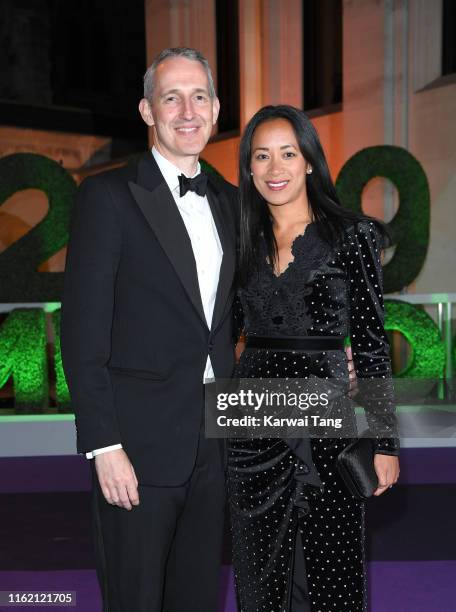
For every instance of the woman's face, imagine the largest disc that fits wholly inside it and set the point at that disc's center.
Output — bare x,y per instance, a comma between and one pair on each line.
278,166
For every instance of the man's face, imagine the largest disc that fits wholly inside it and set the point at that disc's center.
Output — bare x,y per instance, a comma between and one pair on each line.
181,111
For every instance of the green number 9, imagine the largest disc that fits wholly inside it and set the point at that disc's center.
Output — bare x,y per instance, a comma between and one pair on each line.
410,225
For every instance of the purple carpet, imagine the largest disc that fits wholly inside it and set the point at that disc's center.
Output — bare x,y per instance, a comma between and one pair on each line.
84,584
45,526
412,586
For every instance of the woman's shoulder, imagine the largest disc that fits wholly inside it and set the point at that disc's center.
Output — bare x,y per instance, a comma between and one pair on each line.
365,230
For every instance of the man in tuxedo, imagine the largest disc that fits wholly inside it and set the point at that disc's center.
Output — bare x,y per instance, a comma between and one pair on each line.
146,323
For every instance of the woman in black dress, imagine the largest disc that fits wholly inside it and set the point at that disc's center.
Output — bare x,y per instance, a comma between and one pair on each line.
309,270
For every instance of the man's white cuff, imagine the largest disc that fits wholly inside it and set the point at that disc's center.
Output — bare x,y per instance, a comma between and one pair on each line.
100,451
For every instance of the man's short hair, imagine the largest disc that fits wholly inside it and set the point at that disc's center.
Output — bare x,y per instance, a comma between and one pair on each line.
187,52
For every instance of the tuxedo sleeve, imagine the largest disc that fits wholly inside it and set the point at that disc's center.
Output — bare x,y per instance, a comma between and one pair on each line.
87,313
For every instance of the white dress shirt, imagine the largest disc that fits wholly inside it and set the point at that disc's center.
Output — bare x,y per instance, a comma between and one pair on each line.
207,250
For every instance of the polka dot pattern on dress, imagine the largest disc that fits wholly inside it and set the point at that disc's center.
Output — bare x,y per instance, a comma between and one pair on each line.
323,292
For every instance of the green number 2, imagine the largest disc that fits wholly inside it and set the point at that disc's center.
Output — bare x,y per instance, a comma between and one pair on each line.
19,279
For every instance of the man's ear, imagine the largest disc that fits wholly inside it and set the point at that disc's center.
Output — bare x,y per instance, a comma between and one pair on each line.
146,112
215,110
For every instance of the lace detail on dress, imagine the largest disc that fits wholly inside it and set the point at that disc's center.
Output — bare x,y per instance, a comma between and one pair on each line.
275,304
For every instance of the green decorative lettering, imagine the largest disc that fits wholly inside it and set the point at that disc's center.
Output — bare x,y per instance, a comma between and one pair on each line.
417,327
19,279
410,225
23,356
62,394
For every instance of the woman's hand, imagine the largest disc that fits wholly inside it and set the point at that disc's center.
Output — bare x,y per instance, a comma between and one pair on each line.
353,387
239,348
387,470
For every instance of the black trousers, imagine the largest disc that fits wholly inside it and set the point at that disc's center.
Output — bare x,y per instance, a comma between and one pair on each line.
164,555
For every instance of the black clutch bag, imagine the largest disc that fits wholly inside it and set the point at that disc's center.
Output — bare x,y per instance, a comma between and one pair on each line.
356,467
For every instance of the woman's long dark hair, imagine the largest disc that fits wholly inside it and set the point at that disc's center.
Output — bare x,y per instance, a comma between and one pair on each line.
326,208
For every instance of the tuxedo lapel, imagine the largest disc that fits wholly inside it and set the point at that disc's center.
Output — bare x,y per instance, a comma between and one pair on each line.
219,207
157,204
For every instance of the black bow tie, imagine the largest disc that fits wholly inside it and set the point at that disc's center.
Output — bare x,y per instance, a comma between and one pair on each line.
198,184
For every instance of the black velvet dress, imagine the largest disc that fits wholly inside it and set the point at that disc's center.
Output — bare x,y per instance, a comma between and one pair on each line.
281,504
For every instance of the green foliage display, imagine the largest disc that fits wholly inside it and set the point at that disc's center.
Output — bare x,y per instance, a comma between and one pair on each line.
19,279
410,225
454,354
428,349
23,356
23,333
62,393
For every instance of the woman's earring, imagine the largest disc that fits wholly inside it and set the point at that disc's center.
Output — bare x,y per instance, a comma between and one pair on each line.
309,170
251,174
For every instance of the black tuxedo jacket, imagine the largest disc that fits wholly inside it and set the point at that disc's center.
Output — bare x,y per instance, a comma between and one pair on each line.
134,336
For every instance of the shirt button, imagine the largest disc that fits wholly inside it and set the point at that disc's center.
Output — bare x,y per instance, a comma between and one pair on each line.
275,292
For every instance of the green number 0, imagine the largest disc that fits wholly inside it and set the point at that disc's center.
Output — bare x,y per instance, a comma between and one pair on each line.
428,349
